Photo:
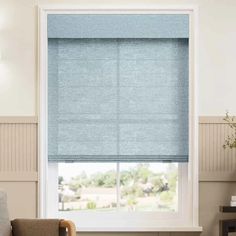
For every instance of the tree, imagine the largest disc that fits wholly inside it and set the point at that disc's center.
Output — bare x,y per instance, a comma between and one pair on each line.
107,179
143,172
110,179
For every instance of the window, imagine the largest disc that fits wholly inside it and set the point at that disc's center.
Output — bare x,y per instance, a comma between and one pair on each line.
120,130
123,186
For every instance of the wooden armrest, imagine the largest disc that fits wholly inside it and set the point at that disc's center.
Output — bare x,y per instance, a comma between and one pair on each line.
70,227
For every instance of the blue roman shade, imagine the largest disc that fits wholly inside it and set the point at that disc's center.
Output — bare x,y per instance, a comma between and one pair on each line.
118,96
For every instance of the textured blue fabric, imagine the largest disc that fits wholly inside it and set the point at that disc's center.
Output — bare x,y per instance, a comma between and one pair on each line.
118,100
118,26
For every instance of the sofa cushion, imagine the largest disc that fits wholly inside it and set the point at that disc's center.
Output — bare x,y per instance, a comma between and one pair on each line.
35,227
5,226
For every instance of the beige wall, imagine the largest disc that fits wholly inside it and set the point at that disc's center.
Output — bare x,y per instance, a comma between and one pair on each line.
18,43
18,80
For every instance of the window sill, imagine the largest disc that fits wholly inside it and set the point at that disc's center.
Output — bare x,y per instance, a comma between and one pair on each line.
139,229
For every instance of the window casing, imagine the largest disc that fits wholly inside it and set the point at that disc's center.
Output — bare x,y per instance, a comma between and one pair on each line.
143,220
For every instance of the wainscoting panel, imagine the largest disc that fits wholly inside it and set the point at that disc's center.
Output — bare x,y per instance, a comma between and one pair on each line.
18,147
18,164
215,162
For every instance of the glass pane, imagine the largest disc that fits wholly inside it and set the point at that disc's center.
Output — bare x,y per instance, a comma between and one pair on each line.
149,187
87,186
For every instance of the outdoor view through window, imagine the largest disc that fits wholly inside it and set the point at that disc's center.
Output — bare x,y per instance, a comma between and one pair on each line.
113,186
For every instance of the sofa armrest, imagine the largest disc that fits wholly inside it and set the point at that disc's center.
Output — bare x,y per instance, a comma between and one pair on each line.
70,226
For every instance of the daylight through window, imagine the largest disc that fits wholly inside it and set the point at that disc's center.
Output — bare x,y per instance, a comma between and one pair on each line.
123,186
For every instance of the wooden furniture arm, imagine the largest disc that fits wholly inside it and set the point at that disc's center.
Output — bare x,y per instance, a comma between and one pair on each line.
70,226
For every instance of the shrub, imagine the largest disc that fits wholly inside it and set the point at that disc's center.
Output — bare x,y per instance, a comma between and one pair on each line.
91,205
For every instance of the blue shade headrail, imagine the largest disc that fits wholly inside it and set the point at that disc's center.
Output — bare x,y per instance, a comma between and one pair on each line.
119,158
118,26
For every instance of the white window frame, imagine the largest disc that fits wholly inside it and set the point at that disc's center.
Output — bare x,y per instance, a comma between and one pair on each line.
88,221
187,217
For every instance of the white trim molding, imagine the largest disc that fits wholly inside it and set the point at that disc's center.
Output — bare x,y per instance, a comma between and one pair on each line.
191,176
